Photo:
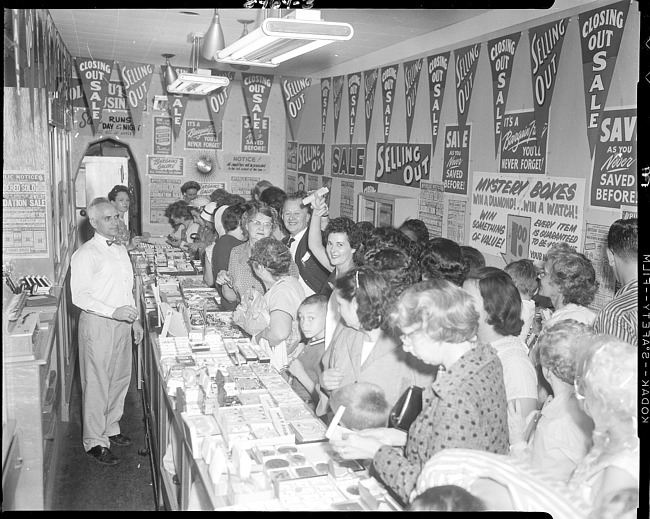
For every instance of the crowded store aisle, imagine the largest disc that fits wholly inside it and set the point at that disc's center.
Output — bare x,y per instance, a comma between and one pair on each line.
83,484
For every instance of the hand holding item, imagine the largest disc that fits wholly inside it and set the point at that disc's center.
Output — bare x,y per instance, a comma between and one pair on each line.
353,446
125,313
332,378
138,332
174,241
224,278
319,207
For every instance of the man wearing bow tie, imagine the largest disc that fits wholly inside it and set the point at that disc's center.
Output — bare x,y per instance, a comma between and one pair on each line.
102,287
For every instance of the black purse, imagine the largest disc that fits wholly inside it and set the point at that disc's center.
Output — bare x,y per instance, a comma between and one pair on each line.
407,408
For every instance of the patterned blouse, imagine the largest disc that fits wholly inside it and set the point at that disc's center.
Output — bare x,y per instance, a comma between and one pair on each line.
464,407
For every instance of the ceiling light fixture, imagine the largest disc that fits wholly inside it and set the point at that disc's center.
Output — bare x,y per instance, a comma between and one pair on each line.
279,39
213,40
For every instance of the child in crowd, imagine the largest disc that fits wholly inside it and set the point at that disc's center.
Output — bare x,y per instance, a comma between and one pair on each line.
525,276
365,405
304,361
446,498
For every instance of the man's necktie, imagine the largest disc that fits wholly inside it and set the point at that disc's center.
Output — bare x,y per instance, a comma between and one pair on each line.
111,242
291,240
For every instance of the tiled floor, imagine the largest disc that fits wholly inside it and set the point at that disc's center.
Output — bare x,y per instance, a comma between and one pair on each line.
83,484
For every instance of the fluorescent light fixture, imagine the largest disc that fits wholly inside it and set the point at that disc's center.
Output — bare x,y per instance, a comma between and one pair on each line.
279,39
197,84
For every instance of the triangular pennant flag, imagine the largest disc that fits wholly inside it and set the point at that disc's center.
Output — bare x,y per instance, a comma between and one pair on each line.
136,78
177,107
95,75
545,48
370,87
411,81
388,85
601,31
294,93
256,89
325,88
466,62
354,84
437,66
338,97
501,53
217,100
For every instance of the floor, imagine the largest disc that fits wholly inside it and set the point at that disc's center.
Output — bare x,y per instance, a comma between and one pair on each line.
83,484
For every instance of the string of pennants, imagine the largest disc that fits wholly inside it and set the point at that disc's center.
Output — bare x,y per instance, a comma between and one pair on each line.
601,32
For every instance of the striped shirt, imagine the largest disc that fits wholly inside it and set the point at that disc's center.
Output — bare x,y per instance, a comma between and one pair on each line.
529,490
620,316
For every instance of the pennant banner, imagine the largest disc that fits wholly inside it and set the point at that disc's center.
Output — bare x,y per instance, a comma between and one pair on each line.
176,104
217,100
614,181
437,71
601,31
545,48
370,87
136,78
256,89
411,80
338,97
388,84
501,52
466,62
294,93
354,82
325,88
95,75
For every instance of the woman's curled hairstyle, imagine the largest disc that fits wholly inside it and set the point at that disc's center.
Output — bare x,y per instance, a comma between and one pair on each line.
369,288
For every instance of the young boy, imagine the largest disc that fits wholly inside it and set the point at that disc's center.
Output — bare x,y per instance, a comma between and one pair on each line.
525,276
304,361
365,406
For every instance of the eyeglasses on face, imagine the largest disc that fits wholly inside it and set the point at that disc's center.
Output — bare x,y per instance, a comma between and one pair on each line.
265,225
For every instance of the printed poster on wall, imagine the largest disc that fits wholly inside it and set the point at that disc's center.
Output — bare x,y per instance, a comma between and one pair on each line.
290,183
242,186
136,78
294,93
311,158
313,183
437,71
327,182
370,87
162,135
601,31
337,84
455,163
388,85
95,75
208,187
292,156
521,150
614,177
302,181
370,187
114,122
24,214
348,161
354,84
162,192
411,81
432,206
519,216
629,211
325,88
501,52
456,211
256,89
545,48
595,248
466,62
254,141
246,164
173,166
347,199
218,98
202,135
403,164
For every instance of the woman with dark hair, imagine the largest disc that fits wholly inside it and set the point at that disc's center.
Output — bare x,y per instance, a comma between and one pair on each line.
499,305
569,280
361,351
259,221
270,260
416,230
182,221
119,196
275,197
259,188
383,237
464,407
473,256
443,258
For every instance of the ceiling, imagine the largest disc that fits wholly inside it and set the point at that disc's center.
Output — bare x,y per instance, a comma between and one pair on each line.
143,35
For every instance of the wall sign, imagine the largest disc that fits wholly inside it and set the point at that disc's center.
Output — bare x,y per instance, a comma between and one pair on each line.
162,135
292,156
249,164
521,149
354,85
173,166
294,94
455,167
257,89
388,86
432,206
202,135
325,88
437,72
403,164
348,161
370,87
254,135
311,158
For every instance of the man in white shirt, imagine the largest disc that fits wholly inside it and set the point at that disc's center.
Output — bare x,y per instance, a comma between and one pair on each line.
296,217
102,287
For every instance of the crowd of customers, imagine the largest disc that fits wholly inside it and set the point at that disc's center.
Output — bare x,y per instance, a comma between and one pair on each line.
524,406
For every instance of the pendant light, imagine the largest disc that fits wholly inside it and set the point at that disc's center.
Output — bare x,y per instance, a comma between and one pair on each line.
213,40
170,74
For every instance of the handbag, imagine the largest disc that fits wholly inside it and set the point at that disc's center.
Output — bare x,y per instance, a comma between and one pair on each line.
406,409
252,314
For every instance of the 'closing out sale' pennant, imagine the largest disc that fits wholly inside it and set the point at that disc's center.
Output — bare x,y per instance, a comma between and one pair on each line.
354,84
437,71
338,97
370,87
95,75
256,88
388,85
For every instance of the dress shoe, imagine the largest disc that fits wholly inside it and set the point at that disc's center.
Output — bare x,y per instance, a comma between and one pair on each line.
103,455
120,439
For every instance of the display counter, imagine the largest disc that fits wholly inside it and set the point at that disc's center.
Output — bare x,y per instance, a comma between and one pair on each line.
225,430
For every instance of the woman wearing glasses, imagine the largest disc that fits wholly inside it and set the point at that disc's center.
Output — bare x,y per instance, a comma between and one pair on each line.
259,221
464,407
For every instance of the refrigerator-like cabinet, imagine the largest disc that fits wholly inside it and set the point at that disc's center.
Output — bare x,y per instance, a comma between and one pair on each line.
382,209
